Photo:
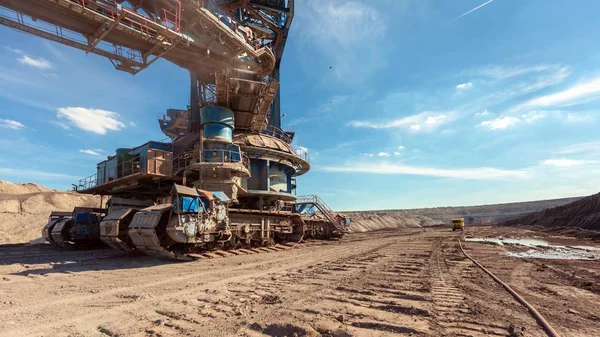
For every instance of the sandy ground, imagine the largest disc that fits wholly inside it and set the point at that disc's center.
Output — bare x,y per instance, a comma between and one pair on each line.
386,283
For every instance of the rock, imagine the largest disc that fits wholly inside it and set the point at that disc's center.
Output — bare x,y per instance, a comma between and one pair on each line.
326,327
574,312
341,333
340,319
270,299
515,331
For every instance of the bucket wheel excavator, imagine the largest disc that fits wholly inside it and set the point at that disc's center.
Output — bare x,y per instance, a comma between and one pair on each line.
227,177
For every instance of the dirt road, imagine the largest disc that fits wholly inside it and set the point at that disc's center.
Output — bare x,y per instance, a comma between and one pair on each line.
405,282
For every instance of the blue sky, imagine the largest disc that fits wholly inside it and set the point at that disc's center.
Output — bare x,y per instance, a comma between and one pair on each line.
401,104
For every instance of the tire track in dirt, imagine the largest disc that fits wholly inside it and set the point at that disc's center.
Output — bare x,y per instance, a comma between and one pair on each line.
364,295
133,302
450,303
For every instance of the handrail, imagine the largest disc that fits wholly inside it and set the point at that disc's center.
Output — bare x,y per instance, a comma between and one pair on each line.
322,206
124,169
221,156
273,131
302,153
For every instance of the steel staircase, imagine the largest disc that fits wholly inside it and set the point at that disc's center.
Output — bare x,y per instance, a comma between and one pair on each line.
304,201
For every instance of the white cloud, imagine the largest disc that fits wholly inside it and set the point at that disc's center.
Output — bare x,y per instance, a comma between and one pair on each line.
401,147
132,124
93,120
478,173
483,113
14,50
370,155
396,153
577,94
425,121
466,85
90,152
564,162
10,124
383,154
533,116
321,112
589,147
32,175
500,123
39,63
61,125
579,117
503,72
554,75
544,76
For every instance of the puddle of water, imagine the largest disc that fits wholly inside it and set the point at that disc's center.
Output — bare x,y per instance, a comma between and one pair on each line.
557,254
563,249
527,242
508,241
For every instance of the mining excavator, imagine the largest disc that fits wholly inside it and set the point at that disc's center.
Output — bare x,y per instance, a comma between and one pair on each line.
226,176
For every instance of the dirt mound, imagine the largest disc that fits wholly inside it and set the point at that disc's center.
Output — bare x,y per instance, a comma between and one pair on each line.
374,220
7,187
24,209
583,213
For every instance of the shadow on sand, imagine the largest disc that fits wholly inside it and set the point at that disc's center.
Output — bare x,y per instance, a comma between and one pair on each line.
47,259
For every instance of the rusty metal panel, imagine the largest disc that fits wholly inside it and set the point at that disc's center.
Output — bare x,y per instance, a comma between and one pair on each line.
109,226
148,217
160,162
186,190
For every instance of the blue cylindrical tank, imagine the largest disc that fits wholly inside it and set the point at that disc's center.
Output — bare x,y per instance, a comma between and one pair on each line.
217,123
122,150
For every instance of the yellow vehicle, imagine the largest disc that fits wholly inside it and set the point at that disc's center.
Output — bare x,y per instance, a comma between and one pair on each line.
458,224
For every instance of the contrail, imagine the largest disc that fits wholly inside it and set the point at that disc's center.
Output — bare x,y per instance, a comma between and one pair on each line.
471,11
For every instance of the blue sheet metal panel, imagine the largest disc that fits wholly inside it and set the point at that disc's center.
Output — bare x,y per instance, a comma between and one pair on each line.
101,173
221,196
161,146
86,217
81,217
258,175
235,153
187,205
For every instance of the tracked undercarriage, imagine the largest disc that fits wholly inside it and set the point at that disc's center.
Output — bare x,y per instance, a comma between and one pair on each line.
195,222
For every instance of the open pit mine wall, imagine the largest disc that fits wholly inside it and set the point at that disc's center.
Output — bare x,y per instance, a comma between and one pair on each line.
583,213
373,220
423,217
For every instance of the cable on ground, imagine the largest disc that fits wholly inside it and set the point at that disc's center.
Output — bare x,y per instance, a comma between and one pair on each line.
549,329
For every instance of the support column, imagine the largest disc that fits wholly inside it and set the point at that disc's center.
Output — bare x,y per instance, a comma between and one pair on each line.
194,119
275,116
